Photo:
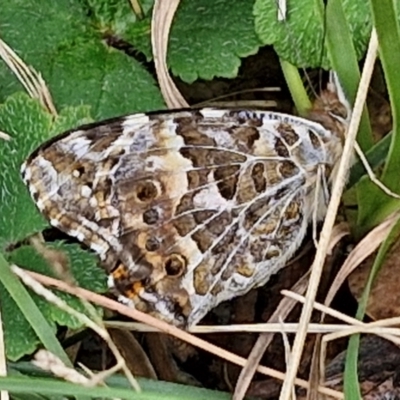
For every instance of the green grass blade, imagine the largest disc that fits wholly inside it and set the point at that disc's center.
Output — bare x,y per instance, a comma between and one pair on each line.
119,381
376,156
151,390
31,312
374,205
296,87
351,386
344,61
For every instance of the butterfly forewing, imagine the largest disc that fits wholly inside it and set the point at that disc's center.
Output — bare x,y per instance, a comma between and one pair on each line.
187,208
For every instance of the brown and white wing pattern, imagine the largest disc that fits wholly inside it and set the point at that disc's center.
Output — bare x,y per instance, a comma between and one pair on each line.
189,208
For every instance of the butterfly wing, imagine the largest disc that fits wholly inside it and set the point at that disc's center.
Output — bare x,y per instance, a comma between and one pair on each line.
187,208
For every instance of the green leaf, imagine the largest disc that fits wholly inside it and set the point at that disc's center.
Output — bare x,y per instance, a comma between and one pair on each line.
36,36
29,125
110,81
68,118
74,61
20,336
116,19
203,40
299,39
208,38
112,15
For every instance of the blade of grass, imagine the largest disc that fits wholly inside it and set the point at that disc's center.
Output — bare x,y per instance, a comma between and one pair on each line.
374,205
344,62
120,381
159,391
31,312
376,156
296,87
351,386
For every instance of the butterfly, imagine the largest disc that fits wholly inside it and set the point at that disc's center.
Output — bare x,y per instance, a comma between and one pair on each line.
189,208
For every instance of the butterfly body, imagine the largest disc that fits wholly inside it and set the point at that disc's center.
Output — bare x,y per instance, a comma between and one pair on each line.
187,209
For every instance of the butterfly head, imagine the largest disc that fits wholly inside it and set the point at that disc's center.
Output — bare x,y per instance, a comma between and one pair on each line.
332,109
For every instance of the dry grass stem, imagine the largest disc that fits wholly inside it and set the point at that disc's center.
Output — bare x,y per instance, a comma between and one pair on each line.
163,14
287,327
372,175
355,326
49,362
246,103
333,206
372,327
29,78
5,136
286,347
100,377
241,104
